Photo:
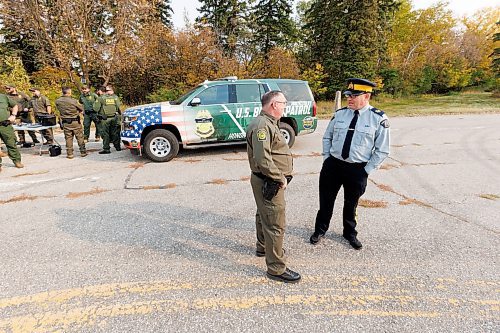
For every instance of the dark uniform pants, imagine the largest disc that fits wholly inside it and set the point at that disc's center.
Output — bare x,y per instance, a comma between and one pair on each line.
110,132
48,134
270,226
9,138
334,174
73,129
21,134
88,118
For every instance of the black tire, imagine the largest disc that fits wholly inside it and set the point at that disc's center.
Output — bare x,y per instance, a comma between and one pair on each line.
161,145
288,133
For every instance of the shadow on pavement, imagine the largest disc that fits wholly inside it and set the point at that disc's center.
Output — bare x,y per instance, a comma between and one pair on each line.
186,232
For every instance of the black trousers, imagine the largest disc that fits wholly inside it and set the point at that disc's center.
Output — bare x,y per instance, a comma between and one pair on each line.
334,174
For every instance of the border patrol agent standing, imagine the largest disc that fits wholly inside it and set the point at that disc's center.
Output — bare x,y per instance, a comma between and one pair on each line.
355,143
87,99
7,131
70,110
108,106
23,115
271,163
41,105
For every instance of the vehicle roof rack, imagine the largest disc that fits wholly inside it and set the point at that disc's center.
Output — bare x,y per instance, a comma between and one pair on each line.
228,78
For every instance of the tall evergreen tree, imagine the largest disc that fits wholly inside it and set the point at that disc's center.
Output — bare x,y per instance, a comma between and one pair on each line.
165,12
348,37
227,18
273,25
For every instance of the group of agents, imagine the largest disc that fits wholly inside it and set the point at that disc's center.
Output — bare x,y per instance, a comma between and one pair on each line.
355,143
102,108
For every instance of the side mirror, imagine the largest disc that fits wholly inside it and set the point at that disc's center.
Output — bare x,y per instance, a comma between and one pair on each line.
195,102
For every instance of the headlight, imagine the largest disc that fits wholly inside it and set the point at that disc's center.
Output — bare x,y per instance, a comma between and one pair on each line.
129,119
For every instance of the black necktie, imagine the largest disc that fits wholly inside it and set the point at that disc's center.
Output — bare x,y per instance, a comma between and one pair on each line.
348,137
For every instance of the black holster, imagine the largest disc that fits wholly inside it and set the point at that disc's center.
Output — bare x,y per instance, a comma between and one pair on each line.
270,188
5,123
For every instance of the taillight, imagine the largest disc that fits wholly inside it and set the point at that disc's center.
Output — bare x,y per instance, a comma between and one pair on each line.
314,109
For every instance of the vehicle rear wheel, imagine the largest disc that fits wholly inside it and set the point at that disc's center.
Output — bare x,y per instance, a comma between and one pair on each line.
288,133
161,145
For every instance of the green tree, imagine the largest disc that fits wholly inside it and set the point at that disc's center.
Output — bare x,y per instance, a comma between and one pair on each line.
165,11
348,37
227,18
273,25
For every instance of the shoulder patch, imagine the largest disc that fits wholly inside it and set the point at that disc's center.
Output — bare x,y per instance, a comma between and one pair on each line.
377,111
385,123
262,134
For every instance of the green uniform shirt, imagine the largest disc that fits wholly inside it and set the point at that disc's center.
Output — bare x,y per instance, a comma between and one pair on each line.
108,105
268,152
5,103
88,100
40,104
68,107
23,102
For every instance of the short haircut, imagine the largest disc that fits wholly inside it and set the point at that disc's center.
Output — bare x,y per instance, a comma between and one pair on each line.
269,96
101,88
85,87
65,90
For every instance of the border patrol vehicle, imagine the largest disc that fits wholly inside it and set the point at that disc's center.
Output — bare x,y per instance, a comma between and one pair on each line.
214,113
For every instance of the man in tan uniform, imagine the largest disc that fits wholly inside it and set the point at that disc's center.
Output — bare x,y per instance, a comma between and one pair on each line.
271,164
23,114
41,106
70,110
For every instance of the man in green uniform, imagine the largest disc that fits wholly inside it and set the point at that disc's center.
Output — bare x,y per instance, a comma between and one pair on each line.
7,131
41,106
87,99
23,115
108,106
70,110
271,164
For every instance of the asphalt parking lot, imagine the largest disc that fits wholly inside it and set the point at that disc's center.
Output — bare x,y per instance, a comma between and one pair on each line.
113,243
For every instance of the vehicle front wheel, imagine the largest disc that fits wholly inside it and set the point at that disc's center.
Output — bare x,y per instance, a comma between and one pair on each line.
161,145
288,133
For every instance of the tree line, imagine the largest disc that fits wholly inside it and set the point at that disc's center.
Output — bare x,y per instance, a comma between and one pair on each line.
132,44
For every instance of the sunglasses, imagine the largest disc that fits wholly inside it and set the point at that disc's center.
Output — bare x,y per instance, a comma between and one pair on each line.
353,96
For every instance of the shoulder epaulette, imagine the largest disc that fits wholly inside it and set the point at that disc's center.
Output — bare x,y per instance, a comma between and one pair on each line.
344,108
377,111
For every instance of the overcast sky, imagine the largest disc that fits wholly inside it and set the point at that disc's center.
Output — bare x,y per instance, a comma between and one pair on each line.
459,7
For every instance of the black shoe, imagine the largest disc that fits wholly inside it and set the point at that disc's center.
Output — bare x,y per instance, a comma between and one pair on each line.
263,253
355,243
28,144
104,152
288,276
36,141
20,143
315,238
118,148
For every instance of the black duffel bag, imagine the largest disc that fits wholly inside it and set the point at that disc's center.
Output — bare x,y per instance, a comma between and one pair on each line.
46,119
54,150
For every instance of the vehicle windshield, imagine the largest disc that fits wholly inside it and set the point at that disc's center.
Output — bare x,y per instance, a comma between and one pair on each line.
181,99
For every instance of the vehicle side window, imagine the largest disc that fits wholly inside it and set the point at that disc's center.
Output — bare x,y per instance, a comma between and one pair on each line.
214,95
247,93
296,91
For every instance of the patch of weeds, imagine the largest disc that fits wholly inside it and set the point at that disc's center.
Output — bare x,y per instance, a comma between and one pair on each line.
17,198
31,173
95,190
372,204
489,196
217,181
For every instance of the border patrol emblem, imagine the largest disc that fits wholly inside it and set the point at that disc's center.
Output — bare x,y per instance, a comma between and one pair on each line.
262,135
204,125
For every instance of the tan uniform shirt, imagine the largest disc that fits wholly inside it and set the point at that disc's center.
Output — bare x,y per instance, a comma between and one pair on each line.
68,107
40,104
268,152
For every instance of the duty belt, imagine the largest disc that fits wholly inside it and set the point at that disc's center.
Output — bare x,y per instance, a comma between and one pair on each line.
70,120
5,123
